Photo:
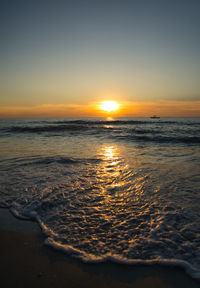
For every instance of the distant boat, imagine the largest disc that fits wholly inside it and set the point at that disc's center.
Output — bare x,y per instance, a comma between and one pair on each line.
155,117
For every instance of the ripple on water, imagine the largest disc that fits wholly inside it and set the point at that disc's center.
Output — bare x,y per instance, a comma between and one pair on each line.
110,208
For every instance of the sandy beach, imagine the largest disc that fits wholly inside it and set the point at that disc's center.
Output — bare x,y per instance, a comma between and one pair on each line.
27,262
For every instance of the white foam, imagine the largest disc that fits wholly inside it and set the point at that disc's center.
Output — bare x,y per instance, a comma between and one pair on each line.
89,258
53,239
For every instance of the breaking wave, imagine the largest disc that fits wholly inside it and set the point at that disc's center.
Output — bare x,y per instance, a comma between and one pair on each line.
146,131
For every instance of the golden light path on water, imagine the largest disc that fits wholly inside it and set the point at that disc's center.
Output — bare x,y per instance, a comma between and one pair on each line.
118,183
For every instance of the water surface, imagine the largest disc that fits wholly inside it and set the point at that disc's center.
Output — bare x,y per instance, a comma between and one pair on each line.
124,189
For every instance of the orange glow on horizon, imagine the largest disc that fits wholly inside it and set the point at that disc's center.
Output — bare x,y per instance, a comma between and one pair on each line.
125,109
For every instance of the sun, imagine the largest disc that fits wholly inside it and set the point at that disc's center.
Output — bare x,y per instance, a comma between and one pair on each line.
109,106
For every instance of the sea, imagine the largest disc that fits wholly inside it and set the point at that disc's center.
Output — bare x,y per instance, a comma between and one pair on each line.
125,190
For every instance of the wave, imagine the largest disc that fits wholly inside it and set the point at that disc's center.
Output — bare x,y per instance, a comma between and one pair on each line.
88,258
84,125
134,131
48,160
125,122
112,122
75,125
161,139
91,258
46,128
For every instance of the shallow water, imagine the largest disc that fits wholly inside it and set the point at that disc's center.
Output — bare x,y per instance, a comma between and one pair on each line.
123,189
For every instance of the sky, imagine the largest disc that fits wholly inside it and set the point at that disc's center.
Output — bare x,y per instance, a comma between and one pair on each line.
62,58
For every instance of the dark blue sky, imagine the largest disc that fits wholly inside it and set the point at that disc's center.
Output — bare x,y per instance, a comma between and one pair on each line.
73,51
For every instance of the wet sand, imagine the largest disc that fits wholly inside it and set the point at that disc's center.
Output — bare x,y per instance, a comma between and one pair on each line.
27,262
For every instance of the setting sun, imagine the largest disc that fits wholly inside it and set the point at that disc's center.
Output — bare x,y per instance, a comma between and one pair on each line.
109,106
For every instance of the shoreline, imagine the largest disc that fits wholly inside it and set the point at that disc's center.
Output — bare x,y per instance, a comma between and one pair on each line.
26,261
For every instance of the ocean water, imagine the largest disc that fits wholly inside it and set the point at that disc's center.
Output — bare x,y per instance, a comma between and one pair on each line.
125,190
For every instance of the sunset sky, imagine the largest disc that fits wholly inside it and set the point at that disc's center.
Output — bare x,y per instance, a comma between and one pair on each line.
63,58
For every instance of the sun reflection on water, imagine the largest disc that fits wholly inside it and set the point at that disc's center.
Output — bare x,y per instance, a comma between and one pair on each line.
109,152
